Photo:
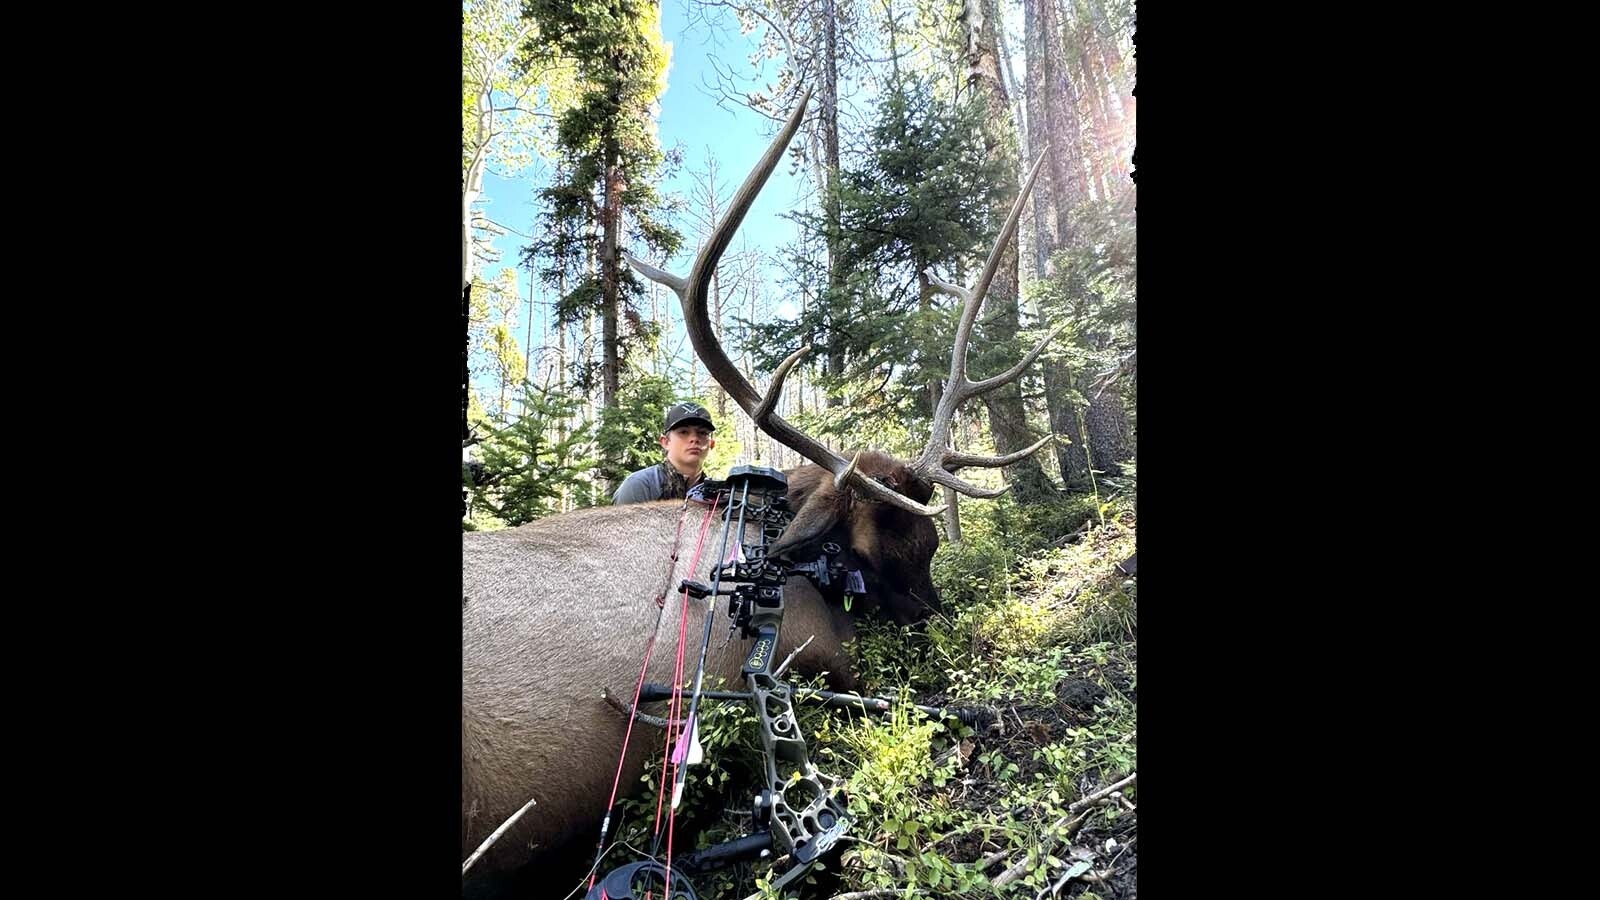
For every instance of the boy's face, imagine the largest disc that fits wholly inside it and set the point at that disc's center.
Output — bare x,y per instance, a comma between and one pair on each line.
687,446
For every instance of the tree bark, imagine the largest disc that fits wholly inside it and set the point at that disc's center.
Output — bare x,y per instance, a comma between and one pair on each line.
1007,415
830,161
610,215
1064,130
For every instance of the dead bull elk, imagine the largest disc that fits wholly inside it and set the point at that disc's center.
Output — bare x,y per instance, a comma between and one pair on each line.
560,611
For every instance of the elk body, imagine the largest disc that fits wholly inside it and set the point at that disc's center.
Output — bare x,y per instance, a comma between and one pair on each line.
561,609
558,611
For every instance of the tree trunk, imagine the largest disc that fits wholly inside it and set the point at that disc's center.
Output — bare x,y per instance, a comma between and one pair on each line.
1064,422
716,324
750,314
1115,69
1062,186
712,215
610,215
800,382
930,362
830,160
952,516
1045,236
1101,151
1103,60
960,436
1064,131
466,378
561,333
1107,421
1023,120
587,348
1086,102
505,376
1007,415
527,358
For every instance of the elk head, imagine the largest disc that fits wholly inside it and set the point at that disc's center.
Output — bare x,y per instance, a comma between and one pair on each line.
879,503
893,548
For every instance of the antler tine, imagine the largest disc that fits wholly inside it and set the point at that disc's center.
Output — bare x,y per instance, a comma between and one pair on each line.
960,293
840,477
660,276
885,494
940,476
989,384
775,390
952,460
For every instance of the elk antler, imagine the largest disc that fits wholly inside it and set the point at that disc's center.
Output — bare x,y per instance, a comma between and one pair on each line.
691,293
938,461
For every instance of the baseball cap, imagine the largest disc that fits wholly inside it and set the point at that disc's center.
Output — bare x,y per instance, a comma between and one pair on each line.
686,412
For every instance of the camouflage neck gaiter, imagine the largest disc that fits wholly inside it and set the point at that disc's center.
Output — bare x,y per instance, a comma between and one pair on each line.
677,486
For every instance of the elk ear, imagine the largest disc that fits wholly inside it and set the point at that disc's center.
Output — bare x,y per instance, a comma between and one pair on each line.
821,510
914,487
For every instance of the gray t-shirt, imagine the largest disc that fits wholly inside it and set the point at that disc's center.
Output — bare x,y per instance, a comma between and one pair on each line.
657,482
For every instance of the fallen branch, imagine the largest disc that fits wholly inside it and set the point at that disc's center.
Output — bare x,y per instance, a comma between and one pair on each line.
495,836
1103,793
1013,873
875,892
1067,539
1067,822
790,658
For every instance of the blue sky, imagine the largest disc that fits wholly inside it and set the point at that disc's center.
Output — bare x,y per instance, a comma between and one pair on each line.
690,118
